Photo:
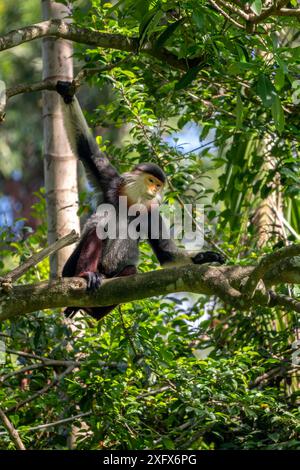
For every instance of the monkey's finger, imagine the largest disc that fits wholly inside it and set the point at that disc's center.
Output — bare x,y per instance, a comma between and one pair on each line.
93,281
208,257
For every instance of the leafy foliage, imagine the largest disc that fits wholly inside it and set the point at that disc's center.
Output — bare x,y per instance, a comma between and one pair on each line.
180,372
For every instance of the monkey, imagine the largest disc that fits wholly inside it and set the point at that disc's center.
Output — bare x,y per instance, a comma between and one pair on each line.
95,259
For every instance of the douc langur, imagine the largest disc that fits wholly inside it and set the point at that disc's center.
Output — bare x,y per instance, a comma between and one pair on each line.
94,258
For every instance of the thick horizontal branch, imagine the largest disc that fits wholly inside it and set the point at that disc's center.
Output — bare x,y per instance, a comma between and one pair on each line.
61,29
222,281
68,292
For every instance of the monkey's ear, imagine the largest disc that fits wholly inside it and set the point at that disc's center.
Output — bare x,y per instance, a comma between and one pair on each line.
66,90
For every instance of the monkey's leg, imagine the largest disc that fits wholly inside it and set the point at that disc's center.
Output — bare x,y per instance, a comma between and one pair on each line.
100,312
84,263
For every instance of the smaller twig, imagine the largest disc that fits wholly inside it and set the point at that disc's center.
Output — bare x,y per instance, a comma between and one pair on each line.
272,10
87,72
284,301
12,431
29,355
234,9
43,390
38,257
279,371
127,333
4,335
265,264
153,392
50,84
226,15
48,363
289,12
285,222
41,427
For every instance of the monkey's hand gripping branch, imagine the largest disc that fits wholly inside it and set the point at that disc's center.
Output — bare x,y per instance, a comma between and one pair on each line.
223,281
73,291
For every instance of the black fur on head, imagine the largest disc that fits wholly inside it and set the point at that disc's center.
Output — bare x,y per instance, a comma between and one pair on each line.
152,169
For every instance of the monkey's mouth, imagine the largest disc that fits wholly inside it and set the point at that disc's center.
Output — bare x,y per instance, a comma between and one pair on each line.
149,196
157,198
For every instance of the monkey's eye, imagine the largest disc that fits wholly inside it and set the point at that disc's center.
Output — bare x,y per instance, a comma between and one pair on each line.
151,180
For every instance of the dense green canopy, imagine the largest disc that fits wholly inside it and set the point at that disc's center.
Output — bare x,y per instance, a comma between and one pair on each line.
210,90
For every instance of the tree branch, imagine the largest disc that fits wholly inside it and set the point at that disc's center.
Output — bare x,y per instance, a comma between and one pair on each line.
16,273
72,291
285,301
41,427
51,84
43,390
223,281
48,363
289,12
12,431
272,10
234,9
61,29
226,15
266,264
282,371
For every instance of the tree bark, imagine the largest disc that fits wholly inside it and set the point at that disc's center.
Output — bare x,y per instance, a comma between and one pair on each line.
223,282
60,165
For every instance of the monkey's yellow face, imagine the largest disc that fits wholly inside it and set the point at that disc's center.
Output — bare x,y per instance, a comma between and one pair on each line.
142,188
152,185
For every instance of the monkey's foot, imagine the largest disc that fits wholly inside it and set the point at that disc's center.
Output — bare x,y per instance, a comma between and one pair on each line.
208,257
66,90
94,280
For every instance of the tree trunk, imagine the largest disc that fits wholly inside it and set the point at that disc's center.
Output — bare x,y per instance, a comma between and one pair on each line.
60,165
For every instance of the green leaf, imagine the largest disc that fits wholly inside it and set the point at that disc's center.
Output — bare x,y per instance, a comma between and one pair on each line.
278,114
256,7
239,111
148,24
265,90
187,78
279,79
167,33
295,52
240,67
289,174
199,18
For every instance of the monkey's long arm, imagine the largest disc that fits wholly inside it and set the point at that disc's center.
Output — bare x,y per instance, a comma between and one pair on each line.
168,253
99,170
